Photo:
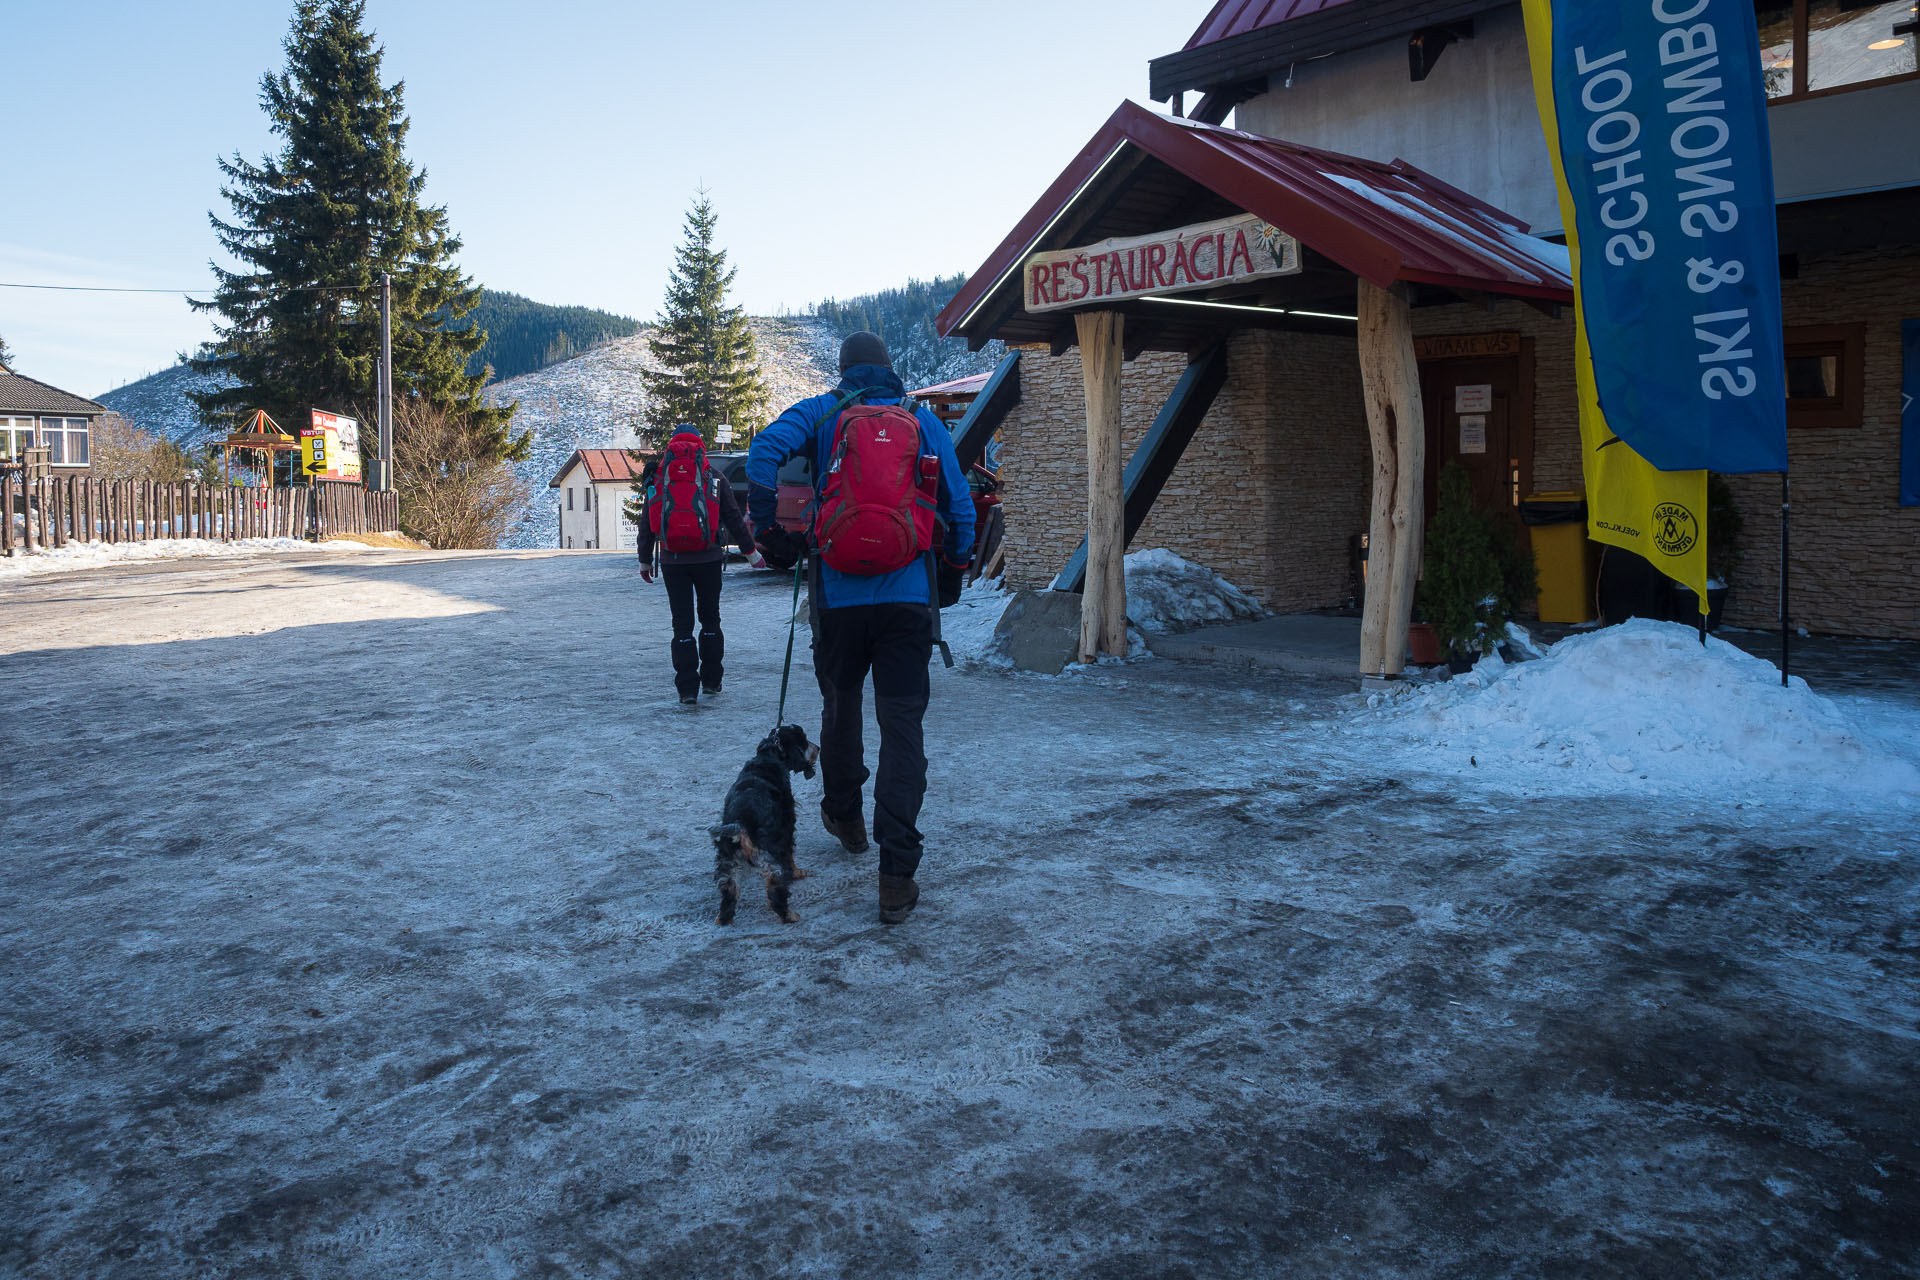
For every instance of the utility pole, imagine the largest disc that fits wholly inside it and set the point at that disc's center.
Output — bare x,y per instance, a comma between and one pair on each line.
385,469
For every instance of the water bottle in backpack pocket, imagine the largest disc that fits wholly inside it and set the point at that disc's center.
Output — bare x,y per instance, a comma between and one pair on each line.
683,511
879,499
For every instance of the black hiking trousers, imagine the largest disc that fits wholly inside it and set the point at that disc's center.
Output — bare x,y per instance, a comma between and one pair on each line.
693,590
894,642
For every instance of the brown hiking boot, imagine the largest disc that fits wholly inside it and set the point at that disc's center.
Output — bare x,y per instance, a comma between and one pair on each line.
898,895
850,832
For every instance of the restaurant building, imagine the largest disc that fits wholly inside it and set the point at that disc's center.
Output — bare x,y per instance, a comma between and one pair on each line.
1395,151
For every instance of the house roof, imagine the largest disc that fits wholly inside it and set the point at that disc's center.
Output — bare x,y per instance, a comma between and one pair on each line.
1243,40
1385,223
958,387
601,464
20,394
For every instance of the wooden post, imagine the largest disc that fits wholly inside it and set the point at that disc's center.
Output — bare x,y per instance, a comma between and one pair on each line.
1103,604
1396,422
6,515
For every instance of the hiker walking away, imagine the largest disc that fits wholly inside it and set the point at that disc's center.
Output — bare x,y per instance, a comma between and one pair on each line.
686,508
881,477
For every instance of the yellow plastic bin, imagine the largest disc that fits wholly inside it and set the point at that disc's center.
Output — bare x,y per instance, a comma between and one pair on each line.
1568,561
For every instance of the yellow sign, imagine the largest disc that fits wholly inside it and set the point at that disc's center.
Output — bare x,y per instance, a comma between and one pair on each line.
313,453
1658,515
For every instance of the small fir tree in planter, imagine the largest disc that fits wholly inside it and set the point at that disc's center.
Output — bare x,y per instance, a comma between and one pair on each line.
1474,576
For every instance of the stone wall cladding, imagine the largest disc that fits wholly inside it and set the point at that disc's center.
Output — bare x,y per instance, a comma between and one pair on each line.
1268,493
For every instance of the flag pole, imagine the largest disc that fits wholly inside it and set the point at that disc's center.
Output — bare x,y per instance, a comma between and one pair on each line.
1786,621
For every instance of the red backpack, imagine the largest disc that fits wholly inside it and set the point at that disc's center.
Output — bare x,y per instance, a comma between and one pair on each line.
879,499
684,514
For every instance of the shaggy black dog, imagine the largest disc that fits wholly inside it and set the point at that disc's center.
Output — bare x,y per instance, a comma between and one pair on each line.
758,819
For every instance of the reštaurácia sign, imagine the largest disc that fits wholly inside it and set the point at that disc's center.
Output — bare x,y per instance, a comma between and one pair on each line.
1209,255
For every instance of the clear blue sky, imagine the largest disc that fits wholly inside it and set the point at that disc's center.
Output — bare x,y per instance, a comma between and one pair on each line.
566,139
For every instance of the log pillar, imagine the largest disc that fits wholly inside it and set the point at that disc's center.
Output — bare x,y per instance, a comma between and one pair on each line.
1103,603
1397,425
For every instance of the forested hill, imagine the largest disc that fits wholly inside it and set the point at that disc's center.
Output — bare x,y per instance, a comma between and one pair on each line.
524,335
904,317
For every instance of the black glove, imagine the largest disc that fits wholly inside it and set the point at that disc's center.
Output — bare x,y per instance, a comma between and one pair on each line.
780,548
952,579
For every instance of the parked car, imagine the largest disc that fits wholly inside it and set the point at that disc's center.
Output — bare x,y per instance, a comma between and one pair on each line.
796,486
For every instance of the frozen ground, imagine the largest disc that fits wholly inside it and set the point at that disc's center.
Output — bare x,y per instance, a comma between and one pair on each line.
355,920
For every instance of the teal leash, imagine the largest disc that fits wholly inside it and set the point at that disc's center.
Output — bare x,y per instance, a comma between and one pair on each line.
786,670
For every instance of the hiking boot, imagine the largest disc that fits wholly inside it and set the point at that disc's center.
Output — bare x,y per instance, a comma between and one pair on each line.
850,832
898,895
710,689
689,699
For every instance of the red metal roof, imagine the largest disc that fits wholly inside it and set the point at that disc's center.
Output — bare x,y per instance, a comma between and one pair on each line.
601,465
1382,222
1237,17
958,387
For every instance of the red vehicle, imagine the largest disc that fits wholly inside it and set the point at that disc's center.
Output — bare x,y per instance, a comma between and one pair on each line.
795,492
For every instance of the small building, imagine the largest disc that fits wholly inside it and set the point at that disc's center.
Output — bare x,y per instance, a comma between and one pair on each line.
33,414
594,485
1396,148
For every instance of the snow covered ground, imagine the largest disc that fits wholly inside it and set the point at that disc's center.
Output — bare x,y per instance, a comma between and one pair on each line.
87,555
355,920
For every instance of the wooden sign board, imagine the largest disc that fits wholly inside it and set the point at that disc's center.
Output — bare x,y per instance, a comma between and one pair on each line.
1455,346
1208,255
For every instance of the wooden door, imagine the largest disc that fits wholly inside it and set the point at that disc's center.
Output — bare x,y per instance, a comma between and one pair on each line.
1480,414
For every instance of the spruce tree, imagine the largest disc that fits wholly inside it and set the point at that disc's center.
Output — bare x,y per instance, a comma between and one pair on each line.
6,356
313,226
712,369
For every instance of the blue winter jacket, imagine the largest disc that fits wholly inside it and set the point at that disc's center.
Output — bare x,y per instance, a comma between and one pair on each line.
801,429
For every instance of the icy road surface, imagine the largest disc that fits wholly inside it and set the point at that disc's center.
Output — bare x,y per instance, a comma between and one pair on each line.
355,920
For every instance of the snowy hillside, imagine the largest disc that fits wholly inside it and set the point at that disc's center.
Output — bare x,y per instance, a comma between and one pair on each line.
593,401
158,403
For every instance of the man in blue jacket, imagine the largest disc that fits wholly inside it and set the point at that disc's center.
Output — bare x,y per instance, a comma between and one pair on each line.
882,624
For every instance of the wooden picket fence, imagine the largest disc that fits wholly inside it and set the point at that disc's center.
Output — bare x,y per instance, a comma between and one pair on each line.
52,511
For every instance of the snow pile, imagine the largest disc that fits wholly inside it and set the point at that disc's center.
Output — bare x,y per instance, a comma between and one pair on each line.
88,555
1166,593
1643,706
968,626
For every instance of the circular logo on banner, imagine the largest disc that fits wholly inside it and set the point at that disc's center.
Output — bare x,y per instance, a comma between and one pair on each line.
1674,529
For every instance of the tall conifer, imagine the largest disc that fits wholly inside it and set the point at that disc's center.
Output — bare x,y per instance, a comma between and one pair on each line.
712,369
314,225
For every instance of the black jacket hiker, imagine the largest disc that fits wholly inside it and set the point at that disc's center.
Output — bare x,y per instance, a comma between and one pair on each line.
693,581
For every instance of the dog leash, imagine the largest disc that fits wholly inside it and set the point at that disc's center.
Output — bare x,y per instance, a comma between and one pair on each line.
786,670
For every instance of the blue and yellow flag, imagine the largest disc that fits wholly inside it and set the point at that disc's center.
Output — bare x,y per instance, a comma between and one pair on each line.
1655,118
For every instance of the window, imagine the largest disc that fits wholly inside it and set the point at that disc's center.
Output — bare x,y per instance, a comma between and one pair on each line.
1826,375
586,498
66,441
1823,46
569,497
16,436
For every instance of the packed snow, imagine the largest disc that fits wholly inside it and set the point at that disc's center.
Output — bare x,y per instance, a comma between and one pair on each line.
968,627
88,555
1645,707
1166,593
383,945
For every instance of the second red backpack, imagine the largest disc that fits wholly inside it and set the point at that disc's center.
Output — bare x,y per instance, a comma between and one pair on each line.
684,514
879,500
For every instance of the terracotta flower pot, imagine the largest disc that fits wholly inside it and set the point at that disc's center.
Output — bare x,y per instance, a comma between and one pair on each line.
1423,647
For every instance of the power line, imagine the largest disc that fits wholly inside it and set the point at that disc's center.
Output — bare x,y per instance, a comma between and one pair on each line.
101,288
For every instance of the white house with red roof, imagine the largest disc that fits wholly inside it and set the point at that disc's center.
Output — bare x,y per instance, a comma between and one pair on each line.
595,484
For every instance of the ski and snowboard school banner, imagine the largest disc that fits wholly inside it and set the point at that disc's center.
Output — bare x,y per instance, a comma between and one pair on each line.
1655,117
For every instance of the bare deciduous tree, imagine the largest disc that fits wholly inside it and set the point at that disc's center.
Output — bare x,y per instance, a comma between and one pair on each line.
453,494
121,450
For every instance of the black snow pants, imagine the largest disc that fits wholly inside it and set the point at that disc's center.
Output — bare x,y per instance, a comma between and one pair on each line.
895,643
695,664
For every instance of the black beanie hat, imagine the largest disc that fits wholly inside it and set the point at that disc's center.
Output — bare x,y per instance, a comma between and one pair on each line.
863,348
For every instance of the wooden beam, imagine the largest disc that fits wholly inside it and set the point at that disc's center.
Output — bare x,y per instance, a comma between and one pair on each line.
988,410
1160,450
1396,423
1103,605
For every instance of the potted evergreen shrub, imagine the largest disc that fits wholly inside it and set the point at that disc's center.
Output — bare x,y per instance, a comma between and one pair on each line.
1474,575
